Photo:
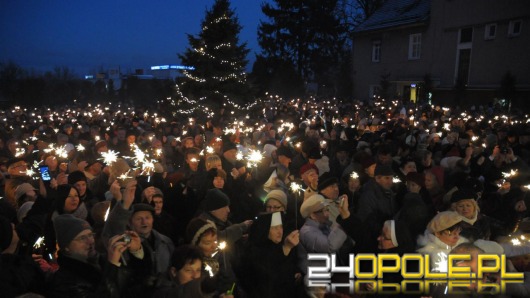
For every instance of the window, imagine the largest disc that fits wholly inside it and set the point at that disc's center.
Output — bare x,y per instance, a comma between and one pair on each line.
466,35
414,46
376,51
489,31
514,29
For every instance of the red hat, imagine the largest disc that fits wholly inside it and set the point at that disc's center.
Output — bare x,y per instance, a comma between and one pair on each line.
307,167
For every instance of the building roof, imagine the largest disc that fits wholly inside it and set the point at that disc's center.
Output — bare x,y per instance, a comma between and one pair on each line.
396,13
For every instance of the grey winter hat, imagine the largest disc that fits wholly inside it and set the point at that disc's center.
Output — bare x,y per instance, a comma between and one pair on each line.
67,227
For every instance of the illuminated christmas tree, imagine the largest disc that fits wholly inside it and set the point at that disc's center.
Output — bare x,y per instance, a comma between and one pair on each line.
218,58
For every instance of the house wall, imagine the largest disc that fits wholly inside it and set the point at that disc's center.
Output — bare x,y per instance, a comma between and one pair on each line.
490,59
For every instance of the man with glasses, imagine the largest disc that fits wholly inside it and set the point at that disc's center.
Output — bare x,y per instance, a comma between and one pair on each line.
82,272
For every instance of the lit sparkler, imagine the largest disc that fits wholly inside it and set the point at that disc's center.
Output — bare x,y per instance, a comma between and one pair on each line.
239,155
20,152
296,188
30,172
510,174
110,156
39,242
354,175
254,158
80,148
124,176
396,180
107,214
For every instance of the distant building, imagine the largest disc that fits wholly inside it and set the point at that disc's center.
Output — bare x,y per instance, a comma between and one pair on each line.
169,71
468,44
113,74
122,82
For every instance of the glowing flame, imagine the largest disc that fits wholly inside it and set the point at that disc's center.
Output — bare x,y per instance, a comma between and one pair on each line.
20,152
80,148
510,174
38,243
254,158
396,180
30,172
109,157
239,155
295,187
124,176
354,175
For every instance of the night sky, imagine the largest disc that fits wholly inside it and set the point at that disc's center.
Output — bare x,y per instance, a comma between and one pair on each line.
86,36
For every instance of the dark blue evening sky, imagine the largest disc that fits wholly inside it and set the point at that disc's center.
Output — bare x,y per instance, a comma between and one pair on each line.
88,35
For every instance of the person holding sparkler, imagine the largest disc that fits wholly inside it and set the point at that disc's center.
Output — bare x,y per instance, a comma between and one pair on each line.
82,271
19,274
184,277
216,265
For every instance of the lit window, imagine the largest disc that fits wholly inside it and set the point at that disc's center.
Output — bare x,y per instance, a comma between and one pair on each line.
414,46
489,31
376,51
514,29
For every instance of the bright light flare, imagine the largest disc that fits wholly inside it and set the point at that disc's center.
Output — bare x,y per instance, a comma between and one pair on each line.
109,157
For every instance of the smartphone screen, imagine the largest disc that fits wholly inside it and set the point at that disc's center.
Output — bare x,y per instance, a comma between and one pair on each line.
45,173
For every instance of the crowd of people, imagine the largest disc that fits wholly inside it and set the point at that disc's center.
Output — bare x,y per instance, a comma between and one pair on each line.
124,201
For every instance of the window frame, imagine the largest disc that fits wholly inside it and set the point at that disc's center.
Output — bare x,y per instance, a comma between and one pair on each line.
414,45
511,27
376,51
487,31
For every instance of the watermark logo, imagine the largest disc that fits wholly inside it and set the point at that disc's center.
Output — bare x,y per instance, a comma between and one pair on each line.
487,273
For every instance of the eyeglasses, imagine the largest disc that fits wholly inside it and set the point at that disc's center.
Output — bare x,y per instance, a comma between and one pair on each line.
273,207
326,209
454,232
86,237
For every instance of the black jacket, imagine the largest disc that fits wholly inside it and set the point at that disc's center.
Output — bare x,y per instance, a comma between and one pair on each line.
80,279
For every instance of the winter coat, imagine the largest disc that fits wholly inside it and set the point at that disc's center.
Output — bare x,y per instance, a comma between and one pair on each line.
436,249
159,253
20,275
76,278
313,240
267,271
376,205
